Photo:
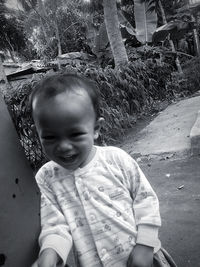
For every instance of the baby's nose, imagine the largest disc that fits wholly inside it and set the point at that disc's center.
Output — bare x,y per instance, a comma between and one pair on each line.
64,145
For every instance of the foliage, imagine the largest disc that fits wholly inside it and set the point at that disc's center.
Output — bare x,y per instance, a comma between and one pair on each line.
125,95
127,8
145,20
28,4
60,23
100,44
12,36
191,70
176,29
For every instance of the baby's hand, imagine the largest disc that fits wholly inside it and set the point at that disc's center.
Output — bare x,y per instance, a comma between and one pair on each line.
141,256
48,258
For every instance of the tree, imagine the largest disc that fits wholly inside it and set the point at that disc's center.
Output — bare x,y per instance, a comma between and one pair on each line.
113,30
3,78
182,15
114,33
170,41
194,8
12,36
55,27
157,5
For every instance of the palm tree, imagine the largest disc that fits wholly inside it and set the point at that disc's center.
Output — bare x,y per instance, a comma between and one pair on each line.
114,34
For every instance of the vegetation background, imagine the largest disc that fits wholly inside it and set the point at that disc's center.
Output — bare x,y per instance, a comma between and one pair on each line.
143,54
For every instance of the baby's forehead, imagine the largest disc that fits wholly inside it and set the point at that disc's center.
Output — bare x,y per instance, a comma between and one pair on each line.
76,95
47,92
73,97
68,102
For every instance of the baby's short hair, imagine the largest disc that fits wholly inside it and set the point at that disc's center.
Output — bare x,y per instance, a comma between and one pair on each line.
59,83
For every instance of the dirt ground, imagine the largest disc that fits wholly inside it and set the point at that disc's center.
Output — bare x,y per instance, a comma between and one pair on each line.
177,184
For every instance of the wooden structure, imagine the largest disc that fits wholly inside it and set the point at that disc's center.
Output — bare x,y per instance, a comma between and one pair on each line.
19,199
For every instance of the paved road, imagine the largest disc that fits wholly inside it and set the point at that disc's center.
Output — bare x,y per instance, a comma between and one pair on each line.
168,133
177,184
163,150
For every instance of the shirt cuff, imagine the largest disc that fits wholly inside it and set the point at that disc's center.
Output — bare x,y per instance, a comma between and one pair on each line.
147,235
59,244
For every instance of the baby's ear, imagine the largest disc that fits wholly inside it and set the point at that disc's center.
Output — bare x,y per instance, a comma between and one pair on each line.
97,127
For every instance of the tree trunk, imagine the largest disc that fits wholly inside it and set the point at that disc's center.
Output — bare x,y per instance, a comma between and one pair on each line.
10,48
12,55
114,33
58,38
42,8
3,78
196,37
44,24
178,65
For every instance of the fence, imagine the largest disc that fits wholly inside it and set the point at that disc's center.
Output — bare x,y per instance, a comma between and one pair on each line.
27,135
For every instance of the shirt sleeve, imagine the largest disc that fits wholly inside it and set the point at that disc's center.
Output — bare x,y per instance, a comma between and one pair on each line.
54,229
145,202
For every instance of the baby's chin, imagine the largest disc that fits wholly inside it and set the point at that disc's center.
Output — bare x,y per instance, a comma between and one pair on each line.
69,164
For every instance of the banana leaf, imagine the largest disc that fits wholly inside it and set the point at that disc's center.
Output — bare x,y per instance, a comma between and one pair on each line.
176,29
101,40
125,24
194,3
194,6
145,20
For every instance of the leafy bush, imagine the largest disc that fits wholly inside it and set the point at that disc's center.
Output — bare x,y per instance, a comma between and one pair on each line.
188,82
125,95
191,70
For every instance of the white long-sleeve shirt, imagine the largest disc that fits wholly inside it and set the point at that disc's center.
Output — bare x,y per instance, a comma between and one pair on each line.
106,207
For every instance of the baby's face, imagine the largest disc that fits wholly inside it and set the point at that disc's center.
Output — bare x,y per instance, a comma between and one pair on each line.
67,127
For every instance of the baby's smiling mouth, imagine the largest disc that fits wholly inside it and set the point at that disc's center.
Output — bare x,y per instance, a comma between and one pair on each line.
68,158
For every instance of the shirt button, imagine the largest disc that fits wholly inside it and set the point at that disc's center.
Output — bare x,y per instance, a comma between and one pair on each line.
92,217
86,195
103,252
79,181
118,214
101,188
125,217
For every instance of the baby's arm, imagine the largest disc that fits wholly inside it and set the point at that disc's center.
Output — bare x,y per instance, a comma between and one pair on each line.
54,240
146,212
47,258
147,217
141,256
